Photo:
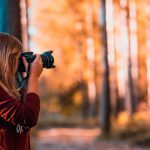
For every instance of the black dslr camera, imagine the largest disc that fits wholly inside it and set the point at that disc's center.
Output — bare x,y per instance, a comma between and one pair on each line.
47,60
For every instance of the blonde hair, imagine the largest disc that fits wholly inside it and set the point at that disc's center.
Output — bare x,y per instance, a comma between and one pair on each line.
10,49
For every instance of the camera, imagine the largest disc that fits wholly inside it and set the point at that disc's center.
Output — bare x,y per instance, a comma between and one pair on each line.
47,59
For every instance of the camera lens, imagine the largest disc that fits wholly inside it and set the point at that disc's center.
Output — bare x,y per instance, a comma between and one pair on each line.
47,59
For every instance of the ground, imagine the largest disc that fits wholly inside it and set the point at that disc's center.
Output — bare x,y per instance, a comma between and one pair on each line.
75,139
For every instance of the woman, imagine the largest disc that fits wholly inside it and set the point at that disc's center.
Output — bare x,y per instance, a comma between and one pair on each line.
17,116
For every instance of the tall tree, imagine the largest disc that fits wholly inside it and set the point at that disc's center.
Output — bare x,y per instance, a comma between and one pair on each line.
112,56
10,17
142,54
125,63
132,47
119,56
90,57
105,99
148,49
2,14
24,5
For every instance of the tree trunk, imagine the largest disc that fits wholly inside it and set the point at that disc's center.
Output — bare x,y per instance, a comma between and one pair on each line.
24,24
142,54
10,17
90,58
148,50
130,99
105,99
119,56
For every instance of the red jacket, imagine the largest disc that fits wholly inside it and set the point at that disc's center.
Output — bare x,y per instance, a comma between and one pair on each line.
14,112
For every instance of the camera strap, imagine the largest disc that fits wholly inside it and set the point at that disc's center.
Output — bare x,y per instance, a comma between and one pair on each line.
21,80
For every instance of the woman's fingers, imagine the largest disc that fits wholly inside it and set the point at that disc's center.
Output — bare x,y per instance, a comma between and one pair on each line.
25,63
36,66
24,74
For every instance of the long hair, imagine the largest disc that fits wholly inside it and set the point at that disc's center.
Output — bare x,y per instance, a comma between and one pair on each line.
10,49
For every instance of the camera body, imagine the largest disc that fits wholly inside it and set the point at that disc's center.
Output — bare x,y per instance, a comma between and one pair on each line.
47,59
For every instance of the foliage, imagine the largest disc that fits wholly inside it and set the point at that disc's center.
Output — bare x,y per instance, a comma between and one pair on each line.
73,30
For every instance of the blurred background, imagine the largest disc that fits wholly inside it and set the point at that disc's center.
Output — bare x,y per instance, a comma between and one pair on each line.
98,96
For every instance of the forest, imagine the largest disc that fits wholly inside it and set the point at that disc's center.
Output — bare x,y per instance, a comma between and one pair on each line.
102,57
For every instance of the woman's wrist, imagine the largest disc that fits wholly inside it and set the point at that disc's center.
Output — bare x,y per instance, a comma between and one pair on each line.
33,76
33,84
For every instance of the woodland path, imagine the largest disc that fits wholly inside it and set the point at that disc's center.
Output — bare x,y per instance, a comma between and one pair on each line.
75,139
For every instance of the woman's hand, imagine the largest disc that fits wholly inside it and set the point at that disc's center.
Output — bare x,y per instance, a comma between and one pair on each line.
36,67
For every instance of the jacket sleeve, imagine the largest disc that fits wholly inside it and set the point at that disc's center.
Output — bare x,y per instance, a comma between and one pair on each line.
15,112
